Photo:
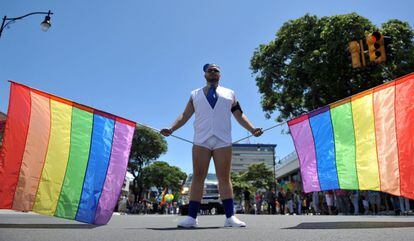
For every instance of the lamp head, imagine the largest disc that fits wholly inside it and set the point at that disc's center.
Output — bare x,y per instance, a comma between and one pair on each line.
45,25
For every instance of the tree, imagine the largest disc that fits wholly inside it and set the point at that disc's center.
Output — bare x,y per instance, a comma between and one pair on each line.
161,175
240,184
399,49
307,65
260,176
147,145
2,126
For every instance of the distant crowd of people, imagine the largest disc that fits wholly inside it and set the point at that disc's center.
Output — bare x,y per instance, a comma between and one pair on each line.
127,205
332,202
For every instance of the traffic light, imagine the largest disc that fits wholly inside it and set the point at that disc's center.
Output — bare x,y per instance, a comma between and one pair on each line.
376,48
354,50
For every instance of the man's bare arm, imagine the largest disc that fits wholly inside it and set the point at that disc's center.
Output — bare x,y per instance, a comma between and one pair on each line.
244,121
181,120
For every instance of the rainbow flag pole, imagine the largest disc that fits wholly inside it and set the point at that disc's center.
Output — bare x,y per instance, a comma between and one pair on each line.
61,158
364,142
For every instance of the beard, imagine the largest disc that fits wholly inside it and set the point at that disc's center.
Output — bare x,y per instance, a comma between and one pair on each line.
213,79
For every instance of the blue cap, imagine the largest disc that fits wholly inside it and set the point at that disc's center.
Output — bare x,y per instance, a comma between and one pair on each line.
206,66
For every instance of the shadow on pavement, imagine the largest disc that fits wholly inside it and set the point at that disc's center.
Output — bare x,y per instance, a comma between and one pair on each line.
47,226
176,228
352,225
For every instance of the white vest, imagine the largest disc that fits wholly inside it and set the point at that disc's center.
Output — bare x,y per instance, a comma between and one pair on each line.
209,121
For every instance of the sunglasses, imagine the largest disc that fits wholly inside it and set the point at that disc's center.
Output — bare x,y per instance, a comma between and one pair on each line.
213,71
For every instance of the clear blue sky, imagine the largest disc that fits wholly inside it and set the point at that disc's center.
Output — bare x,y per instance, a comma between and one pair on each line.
141,59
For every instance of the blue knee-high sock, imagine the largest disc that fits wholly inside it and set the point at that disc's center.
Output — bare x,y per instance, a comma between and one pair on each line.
228,207
193,208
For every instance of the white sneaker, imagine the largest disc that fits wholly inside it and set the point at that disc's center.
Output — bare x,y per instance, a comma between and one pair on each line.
234,222
188,222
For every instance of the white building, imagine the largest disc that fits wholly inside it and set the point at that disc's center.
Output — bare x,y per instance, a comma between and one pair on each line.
246,154
287,170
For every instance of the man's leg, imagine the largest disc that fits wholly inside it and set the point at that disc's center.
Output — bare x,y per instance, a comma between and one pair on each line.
315,202
222,163
407,204
355,203
402,205
290,202
269,210
201,161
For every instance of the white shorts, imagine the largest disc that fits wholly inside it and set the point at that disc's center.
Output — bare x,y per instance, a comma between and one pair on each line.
213,143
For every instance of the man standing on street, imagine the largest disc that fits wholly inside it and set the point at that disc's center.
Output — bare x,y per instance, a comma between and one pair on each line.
212,105
271,201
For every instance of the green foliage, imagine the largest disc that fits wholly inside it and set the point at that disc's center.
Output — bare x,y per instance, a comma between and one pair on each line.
162,175
2,127
308,65
258,176
147,145
240,184
400,51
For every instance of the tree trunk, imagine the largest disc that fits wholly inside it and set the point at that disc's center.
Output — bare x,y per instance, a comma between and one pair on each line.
137,185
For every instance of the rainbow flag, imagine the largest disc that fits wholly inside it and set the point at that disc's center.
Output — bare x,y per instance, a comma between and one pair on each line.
364,142
62,159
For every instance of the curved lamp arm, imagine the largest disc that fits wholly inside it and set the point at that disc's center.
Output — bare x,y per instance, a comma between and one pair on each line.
7,21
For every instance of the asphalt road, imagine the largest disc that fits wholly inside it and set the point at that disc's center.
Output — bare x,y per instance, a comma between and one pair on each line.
29,226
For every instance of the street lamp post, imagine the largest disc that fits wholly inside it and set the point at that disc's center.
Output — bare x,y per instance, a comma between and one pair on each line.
274,166
45,25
